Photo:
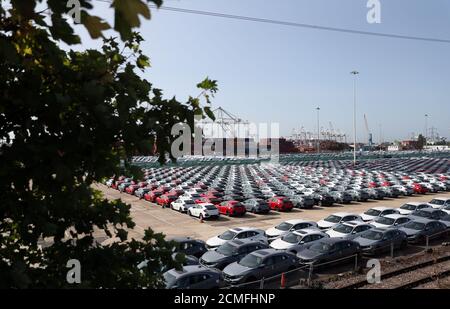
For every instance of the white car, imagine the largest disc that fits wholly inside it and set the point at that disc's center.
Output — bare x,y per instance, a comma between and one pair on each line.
337,218
182,205
439,202
204,211
189,196
376,212
288,226
236,233
349,230
390,221
446,208
410,207
297,239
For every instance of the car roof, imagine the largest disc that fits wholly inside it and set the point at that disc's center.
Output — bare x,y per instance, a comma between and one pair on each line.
331,240
441,198
416,203
241,242
429,209
244,228
295,221
190,269
381,208
422,220
355,223
308,231
395,216
265,252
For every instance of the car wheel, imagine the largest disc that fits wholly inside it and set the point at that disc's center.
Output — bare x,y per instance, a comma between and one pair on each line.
201,217
254,210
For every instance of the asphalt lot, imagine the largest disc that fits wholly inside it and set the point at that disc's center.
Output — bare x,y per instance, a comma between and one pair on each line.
174,224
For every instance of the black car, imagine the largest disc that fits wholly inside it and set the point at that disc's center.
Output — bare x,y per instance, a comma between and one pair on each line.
190,246
230,252
328,250
428,213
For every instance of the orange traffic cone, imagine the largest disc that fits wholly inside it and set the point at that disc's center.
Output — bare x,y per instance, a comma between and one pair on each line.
283,281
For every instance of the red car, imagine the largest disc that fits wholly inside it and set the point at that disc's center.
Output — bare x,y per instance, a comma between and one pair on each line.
166,200
418,188
131,188
280,203
151,196
231,208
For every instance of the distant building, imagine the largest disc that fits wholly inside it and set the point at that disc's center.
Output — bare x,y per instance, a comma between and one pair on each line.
409,145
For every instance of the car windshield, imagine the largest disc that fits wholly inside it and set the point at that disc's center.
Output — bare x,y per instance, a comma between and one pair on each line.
292,238
437,202
320,247
385,221
226,249
333,219
189,202
373,212
228,235
344,229
413,225
372,235
421,213
284,226
408,207
169,278
251,261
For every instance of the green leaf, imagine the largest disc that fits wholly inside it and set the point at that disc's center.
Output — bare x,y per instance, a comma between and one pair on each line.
127,15
94,25
143,62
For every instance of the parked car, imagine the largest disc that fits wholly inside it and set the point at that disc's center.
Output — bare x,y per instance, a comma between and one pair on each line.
237,233
204,211
328,250
257,206
229,252
390,221
375,241
446,220
419,229
302,201
297,239
336,218
439,202
260,264
376,212
190,246
410,207
280,203
428,213
193,277
182,205
288,226
348,230
231,208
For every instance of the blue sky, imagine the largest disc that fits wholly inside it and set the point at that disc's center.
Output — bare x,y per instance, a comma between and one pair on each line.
280,74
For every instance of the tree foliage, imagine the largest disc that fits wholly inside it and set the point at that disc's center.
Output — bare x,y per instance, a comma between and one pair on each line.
67,120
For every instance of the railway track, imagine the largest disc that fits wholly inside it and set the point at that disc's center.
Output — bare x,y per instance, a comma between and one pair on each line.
399,273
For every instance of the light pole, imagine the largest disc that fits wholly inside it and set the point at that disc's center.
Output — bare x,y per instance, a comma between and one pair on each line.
426,127
318,130
354,73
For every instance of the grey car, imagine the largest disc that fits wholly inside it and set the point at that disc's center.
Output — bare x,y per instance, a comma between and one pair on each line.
193,277
229,252
303,201
258,206
428,213
330,251
376,241
260,264
418,230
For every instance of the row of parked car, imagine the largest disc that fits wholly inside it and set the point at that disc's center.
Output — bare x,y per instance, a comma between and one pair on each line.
246,254
210,191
